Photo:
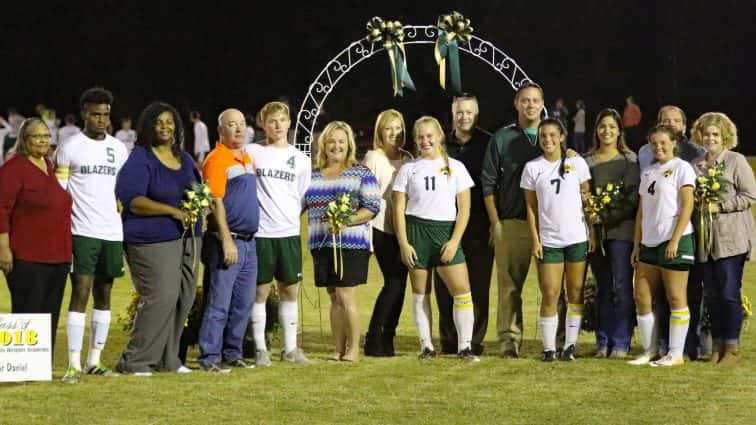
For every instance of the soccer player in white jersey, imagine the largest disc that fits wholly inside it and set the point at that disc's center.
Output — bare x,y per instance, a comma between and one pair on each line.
432,208
663,246
87,166
553,185
283,175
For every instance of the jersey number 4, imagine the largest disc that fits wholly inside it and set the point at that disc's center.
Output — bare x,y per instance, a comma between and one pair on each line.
652,188
430,183
291,162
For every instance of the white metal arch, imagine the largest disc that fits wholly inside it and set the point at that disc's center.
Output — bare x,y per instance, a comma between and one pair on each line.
362,49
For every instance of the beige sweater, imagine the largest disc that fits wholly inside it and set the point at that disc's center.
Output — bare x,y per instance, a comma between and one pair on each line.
385,171
734,231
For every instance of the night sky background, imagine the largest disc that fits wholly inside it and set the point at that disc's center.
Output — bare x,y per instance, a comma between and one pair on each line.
212,55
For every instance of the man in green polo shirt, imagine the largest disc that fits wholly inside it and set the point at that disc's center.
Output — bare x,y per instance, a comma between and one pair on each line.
509,149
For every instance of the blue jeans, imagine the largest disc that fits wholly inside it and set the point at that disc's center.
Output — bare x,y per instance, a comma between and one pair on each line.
615,308
229,295
722,281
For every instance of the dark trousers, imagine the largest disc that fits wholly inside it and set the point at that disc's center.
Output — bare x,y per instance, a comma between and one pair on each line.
165,276
479,256
38,288
388,305
695,299
228,303
615,308
722,281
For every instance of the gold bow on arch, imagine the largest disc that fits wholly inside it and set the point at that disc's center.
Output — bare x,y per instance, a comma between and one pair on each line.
453,29
392,36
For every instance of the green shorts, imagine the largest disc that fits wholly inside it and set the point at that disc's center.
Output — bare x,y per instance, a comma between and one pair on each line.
655,255
279,258
427,237
97,257
574,253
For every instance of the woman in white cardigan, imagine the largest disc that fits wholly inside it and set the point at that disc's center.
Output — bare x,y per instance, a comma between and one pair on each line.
384,161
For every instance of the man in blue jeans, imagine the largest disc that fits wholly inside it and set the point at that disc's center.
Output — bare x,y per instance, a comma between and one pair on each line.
228,251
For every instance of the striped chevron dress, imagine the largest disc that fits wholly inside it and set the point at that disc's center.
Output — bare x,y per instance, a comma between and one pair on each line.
360,183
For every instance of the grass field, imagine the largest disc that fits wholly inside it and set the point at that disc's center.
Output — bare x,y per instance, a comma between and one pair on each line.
396,390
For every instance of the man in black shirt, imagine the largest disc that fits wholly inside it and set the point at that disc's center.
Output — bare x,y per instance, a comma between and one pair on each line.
467,143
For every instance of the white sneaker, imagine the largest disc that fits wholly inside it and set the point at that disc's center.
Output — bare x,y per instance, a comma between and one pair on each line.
142,374
183,369
643,359
295,356
668,361
262,358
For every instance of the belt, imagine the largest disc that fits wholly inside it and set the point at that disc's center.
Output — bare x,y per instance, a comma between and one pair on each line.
246,237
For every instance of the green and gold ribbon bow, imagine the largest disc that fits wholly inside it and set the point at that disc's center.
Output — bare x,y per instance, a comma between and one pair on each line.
453,29
391,34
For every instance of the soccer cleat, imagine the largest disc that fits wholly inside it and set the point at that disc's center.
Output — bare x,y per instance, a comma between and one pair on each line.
667,361
238,363
549,356
568,354
262,358
641,360
72,375
601,353
100,370
295,356
216,368
468,356
427,354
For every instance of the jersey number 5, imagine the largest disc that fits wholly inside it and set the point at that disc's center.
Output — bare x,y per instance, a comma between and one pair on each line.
430,183
558,184
111,155
651,188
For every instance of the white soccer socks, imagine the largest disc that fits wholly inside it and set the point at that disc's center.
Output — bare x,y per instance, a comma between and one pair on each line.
258,325
573,322
288,315
464,318
548,327
679,320
100,325
421,312
75,322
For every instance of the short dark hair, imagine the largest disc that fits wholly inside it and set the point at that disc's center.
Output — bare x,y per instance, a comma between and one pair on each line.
528,85
70,119
95,96
195,115
146,135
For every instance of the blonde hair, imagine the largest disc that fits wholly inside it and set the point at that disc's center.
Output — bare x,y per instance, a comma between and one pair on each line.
269,109
22,141
384,118
719,120
321,160
441,145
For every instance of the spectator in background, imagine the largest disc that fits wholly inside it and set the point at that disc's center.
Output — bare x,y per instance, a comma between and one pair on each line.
201,140
578,135
126,134
69,129
560,112
14,123
631,118
52,121
250,136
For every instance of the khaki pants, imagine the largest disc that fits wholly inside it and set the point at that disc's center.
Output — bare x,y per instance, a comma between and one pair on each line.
514,249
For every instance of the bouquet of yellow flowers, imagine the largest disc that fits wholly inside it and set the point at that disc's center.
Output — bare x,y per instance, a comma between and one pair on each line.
197,205
599,205
339,215
708,191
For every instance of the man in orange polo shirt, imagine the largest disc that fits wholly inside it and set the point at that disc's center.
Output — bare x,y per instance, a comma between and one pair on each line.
229,253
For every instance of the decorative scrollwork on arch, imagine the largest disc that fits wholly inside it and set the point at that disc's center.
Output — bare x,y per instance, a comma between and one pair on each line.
360,50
